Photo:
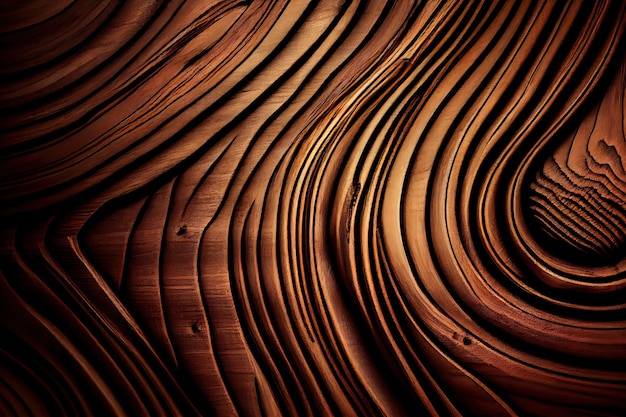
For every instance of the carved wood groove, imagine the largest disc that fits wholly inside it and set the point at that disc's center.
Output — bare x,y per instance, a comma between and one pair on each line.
312,208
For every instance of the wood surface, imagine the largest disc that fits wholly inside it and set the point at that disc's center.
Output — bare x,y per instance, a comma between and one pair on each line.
332,208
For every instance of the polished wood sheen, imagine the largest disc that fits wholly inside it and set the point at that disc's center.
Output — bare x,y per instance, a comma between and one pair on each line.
333,208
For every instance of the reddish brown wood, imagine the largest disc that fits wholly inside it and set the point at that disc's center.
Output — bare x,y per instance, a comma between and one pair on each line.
312,208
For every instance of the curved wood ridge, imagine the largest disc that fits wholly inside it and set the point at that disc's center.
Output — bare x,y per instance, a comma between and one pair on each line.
324,208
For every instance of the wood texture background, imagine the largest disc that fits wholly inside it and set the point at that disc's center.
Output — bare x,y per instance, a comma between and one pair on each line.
265,208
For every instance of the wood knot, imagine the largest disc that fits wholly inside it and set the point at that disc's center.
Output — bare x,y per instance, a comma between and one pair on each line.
577,217
195,328
577,200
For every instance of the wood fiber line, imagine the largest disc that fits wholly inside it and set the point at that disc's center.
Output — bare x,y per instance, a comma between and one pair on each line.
300,208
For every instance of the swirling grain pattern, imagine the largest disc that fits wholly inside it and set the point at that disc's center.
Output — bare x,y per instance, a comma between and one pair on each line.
265,208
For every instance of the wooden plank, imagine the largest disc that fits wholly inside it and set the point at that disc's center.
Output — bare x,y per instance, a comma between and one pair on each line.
313,208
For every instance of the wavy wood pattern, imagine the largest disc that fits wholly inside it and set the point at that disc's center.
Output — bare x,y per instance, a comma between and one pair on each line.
313,208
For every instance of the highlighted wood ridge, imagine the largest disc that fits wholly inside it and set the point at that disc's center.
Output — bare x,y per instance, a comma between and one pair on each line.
312,208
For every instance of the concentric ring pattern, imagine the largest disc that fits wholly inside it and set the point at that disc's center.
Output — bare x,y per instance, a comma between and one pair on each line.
264,208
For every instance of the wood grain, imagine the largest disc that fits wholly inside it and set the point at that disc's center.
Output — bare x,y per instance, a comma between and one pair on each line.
312,208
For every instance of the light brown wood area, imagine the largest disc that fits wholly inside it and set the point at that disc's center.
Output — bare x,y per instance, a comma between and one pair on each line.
333,208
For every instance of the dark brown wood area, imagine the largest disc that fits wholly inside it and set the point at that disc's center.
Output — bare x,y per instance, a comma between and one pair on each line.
331,208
